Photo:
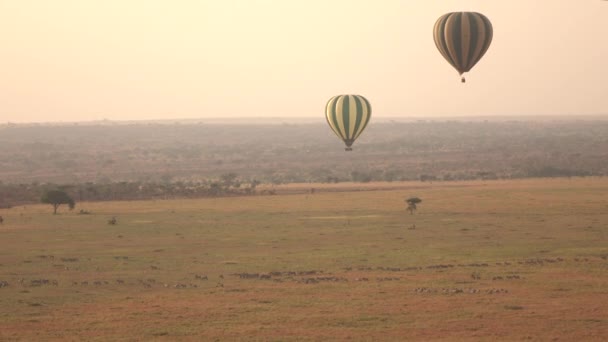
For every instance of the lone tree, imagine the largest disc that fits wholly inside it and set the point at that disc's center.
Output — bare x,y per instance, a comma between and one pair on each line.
411,204
57,198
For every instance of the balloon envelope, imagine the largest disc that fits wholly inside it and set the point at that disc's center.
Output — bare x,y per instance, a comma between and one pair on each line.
347,116
463,38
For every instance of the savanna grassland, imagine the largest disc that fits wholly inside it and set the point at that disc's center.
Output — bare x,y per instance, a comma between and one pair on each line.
479,260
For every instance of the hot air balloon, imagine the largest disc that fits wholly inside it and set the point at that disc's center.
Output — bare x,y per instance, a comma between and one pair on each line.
347,116
463,38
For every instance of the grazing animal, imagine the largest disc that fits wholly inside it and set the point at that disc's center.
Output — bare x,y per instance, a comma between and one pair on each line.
112,221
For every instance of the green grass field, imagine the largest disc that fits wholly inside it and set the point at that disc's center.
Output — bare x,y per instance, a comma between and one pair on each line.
511,260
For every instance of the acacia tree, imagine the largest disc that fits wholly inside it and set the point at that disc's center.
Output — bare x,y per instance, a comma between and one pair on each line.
57,198
411,204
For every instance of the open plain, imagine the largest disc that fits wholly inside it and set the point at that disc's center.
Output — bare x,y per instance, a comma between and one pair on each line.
479,260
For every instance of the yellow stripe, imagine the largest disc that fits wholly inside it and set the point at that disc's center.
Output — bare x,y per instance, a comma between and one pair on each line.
328,115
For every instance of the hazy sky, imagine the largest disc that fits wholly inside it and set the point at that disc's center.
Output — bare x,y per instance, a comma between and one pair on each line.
80,60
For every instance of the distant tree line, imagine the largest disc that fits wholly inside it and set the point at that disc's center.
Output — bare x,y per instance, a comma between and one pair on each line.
226,185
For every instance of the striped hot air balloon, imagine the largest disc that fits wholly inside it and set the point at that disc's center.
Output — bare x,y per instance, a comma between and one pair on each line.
347,116
463,38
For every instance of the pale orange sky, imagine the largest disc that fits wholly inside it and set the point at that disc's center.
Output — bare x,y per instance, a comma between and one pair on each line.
81,60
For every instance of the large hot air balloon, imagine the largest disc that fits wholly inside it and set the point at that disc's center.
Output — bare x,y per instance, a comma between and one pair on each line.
347,116
463,38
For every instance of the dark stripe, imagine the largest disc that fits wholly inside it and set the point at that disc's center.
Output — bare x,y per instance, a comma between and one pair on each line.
346,116
456,38
474,41
359,115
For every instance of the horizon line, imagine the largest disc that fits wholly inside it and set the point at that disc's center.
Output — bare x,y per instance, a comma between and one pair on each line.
310,119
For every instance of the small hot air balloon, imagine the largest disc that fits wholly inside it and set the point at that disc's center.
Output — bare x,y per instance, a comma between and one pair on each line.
347,116
463,38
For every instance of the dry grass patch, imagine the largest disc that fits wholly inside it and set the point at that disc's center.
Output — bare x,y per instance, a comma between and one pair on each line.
487,260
